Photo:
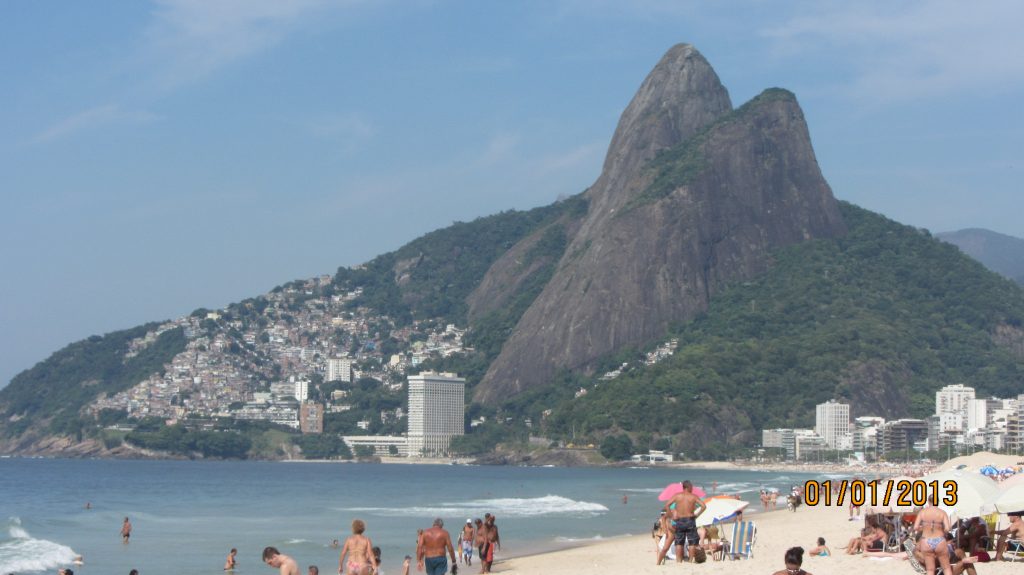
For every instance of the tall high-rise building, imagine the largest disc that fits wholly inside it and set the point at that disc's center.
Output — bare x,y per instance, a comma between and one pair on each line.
953,399
339,369
832,423
437,412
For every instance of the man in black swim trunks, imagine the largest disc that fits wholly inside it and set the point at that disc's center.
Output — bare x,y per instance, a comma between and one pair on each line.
683,509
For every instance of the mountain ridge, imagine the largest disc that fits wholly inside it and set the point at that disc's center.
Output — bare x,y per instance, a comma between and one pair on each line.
1001,253
694,189
690,208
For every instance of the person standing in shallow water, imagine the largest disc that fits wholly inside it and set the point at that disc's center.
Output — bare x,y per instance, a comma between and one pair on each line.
359,549
126,530
277,560
231,561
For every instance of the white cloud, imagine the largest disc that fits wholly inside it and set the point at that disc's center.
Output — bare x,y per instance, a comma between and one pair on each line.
190,39
91,118
901,51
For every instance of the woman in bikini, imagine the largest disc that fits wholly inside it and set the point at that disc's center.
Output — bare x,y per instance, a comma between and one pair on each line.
358,547
933,523
794,559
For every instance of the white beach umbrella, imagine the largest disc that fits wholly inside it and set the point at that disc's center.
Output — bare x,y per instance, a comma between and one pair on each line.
719,508
1009,500
974,493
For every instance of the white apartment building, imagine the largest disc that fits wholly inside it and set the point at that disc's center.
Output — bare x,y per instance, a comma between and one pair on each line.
301,390
339,369
437,412
832,423
953,399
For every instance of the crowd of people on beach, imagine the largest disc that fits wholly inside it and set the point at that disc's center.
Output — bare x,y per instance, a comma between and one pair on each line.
434,547
932,542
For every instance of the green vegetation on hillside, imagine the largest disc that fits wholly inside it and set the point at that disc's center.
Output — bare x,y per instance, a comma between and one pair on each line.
433,275
885,312
60,386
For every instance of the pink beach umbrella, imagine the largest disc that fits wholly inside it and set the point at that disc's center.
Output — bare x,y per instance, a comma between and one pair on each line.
672,489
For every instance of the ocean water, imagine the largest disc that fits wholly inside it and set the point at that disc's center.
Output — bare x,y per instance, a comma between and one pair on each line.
187,515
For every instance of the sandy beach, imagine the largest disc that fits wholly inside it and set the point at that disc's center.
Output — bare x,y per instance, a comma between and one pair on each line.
777,531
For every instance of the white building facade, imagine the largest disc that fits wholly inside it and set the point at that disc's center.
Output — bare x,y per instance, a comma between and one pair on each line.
832,423
339,369
437,412
953,399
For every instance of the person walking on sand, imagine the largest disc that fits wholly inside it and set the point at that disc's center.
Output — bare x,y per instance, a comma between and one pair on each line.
285,564
794,559
231,561
466,540
683,509
431,548
493,543
933,523
359,549
481,540
126,530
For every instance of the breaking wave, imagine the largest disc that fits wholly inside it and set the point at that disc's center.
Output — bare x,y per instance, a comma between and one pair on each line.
20,552
502,507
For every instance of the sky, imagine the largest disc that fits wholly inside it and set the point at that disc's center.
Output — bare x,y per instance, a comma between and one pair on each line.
158,157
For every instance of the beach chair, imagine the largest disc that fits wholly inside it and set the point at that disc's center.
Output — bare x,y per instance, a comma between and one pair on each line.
893,539
741,544
1014,550
991,522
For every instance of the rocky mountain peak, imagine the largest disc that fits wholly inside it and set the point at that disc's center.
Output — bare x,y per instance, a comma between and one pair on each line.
680,96
693,197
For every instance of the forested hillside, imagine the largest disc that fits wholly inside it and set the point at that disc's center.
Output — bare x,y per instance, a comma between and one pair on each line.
880,318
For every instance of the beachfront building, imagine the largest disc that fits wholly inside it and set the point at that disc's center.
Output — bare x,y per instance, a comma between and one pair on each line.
383,445
807,444
339,369
437,412
311,417
832,423
903,434
865,434
953,399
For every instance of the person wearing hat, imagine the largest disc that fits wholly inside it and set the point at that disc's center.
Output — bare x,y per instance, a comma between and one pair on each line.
466,538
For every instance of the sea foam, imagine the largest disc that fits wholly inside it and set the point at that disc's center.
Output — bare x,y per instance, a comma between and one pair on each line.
502,507
19,552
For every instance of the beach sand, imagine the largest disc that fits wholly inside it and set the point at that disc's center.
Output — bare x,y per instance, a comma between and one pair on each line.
777,531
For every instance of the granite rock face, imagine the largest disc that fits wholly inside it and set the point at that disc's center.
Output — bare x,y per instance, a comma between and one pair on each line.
693,196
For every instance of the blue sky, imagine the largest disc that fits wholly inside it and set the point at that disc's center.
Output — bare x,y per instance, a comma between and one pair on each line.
157,157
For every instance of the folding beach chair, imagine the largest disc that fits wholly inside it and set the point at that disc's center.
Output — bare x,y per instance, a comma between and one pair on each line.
741,544
1014,550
